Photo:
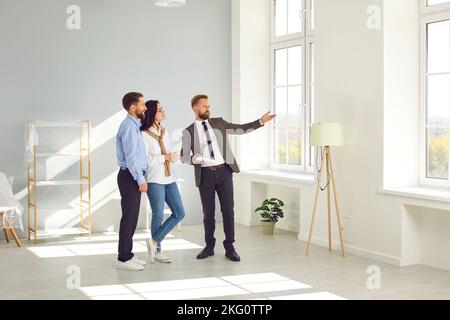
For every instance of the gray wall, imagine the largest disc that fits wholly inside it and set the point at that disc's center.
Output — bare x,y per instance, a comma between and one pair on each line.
51,73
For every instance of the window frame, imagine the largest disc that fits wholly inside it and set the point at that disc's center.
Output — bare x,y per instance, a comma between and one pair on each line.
425,9
428,15
287,37
303,39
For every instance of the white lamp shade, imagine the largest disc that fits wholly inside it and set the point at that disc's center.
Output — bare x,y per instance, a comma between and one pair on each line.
170,3
326,134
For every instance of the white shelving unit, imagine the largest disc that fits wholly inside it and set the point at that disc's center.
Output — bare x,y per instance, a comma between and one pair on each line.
84,180
43,155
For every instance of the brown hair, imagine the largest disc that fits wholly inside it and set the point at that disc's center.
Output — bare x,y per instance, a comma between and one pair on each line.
131,98
197,98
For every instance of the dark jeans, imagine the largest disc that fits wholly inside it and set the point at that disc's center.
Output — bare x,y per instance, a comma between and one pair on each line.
220,181
131,202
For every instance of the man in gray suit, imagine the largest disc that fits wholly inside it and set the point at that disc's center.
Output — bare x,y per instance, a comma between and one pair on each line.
206,146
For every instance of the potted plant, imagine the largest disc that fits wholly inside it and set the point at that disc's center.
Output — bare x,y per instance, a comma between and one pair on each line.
271,210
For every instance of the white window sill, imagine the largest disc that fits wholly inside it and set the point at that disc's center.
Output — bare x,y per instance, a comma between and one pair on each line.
301,178
418,192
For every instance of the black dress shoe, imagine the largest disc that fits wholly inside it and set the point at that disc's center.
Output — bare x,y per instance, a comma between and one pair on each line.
205,253
232,255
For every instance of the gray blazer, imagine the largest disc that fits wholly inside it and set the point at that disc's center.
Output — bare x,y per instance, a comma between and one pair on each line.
222,128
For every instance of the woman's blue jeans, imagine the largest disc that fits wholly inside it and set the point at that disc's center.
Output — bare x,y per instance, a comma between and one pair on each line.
158,194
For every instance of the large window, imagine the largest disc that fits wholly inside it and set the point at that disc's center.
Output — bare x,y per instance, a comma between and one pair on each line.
293,83
435,92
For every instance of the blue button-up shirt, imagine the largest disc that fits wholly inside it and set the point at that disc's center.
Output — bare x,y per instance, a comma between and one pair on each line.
130,148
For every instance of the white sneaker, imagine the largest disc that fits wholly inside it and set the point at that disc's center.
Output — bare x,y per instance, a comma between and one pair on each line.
138,261
151,250
160,257
129,265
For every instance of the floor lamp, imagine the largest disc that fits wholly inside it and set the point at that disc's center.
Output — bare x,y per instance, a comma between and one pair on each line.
326,135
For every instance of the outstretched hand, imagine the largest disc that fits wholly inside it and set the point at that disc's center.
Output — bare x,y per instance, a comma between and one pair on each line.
268,117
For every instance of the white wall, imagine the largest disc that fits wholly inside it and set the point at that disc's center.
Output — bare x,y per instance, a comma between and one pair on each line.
250,71
349,89
368,80
53,74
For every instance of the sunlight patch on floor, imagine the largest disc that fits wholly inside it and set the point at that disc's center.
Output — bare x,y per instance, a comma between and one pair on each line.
105,248
196,288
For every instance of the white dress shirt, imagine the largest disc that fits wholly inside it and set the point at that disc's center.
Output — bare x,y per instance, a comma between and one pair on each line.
207,161
156,169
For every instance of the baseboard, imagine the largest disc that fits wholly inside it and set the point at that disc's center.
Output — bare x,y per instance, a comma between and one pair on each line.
243,221
356,251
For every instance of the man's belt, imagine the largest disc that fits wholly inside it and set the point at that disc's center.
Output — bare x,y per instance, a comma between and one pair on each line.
215,168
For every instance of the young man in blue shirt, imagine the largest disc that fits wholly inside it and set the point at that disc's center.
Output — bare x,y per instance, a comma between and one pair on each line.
132,161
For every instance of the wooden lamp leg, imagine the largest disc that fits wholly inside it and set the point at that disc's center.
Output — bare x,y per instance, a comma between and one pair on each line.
29,201
327,157
341,235
308,246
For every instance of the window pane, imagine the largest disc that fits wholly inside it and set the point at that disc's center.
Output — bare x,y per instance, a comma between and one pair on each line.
280,17
281,67
311,26
434,2
438,106
295,146
295,16
295,65
437,158
281,106
439,46
295,108
281,145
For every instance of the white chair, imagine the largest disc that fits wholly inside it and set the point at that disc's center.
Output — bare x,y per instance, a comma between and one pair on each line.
9,207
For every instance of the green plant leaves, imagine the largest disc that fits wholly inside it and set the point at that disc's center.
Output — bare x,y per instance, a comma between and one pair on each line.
271,210
265,215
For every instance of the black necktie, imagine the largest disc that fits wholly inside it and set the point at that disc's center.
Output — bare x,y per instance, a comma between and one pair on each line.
208,138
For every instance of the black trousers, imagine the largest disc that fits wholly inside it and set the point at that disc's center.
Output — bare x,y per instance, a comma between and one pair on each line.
131,202
220,181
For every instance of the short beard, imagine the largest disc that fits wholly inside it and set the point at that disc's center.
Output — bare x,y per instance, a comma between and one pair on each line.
142,116
204,116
